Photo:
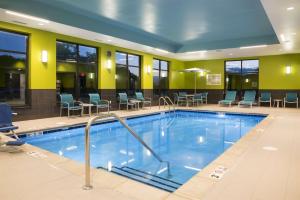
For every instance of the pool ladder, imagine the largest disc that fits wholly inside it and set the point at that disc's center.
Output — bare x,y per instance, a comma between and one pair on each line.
167,101
88,185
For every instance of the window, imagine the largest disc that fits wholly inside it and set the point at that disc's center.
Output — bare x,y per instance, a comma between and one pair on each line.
128,73
241,75
160,77
76,69
13,68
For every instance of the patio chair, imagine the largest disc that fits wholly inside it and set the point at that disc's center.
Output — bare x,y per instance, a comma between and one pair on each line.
291,97
140,97
67,102
6,126
98,102
123,100
265,97
229,98
6,119
249,98
204,97
198,98
179,98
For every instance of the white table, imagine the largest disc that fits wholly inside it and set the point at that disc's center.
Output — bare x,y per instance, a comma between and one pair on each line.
135,102
189,98
277,102
86,105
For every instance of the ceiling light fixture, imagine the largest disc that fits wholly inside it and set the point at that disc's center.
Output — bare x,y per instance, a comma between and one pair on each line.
192,52
290,8
256,46
26,16
161,50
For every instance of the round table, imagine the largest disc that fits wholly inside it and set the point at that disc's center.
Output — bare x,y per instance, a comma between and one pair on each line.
277,102
86,105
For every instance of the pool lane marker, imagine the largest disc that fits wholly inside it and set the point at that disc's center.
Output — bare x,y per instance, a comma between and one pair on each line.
218,173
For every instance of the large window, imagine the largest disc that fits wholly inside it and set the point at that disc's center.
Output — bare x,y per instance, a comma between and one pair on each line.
76,69
160,77
128,73
241,75
13,67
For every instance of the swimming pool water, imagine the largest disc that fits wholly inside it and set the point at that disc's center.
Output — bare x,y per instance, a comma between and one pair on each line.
188,140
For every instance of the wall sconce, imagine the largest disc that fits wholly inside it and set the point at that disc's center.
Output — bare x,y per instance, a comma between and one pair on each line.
247,80
288,69
227,79
44,56
148,69
108,62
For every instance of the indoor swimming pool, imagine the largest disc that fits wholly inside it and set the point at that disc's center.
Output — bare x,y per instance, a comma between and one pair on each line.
188,140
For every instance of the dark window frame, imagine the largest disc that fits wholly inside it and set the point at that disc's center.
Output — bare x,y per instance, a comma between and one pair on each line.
159,76
77,88
240,74
128,90
27,103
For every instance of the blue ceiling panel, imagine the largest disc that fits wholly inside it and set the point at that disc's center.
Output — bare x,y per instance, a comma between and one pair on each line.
173,25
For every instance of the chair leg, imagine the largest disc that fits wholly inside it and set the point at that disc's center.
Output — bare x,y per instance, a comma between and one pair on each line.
15,134
68,112
60,111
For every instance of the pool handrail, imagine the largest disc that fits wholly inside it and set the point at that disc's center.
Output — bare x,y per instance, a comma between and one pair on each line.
166,102
88,185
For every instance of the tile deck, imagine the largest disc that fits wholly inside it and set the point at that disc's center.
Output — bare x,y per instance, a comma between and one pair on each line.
262,165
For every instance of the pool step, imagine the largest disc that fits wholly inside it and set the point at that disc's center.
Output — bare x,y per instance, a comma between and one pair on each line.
147,178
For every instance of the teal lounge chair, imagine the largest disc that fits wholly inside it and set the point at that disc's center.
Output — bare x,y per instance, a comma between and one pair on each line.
249,98
67,102
265,97
291,97
98,102
229,98
123,100
204,97
139,96
198,98
179,98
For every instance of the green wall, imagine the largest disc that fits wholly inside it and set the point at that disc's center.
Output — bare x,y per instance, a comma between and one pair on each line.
43,76
271,72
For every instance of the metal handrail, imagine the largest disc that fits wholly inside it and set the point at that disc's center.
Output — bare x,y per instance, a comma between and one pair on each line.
165,98
169,99
165,102
88,185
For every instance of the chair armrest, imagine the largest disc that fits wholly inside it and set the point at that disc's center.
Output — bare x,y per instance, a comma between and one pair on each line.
148,98
104,101
64,103
78,102
14,113
94,102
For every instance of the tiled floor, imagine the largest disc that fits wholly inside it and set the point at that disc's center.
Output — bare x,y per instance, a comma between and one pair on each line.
263,165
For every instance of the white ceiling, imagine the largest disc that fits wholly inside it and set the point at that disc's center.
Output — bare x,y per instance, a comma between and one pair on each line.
286,24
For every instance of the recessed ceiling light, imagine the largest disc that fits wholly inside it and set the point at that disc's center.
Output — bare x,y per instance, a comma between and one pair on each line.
26,16
290,8
293,33
109,40
40,24
192,52
256,46
231,54
161,50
